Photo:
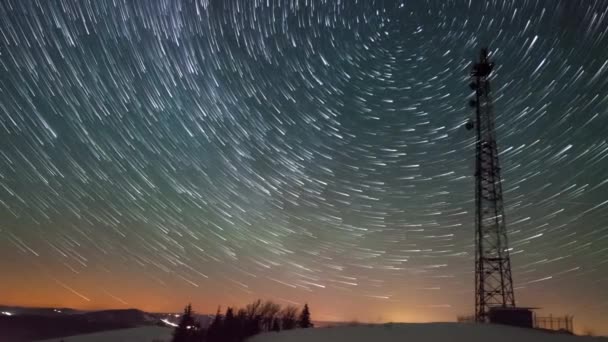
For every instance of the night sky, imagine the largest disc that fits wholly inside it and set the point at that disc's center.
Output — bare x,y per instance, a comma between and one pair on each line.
154,153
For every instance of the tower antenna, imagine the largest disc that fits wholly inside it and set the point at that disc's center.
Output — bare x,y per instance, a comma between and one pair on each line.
493,280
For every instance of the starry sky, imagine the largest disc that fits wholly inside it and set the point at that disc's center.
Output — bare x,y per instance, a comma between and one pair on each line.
156,152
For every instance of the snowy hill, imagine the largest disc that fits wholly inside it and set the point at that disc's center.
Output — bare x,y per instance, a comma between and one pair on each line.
141,334
426,332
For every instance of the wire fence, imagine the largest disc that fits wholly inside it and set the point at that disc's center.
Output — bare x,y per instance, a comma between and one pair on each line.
465,319
557,323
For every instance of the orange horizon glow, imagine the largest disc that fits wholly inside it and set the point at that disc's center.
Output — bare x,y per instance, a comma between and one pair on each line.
43,287
320,312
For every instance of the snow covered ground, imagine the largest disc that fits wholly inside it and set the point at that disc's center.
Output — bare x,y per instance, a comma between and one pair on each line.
424,332
141,334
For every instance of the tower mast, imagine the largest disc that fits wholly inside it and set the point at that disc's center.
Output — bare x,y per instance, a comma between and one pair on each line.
493,280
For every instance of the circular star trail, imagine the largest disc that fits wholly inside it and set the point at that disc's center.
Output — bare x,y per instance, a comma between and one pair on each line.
158,152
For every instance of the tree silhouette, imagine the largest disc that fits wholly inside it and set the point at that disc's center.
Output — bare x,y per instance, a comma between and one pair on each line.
242,324
268,313
304,321
215,330
289,318
276,326
254,318
231,326
188,329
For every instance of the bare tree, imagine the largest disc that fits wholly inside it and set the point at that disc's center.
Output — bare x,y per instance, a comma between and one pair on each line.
289,317
268,312
253,310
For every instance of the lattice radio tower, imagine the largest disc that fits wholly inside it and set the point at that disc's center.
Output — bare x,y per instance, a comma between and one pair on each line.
493,280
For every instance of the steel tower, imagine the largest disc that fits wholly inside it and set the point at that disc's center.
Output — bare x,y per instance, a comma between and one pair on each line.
493,280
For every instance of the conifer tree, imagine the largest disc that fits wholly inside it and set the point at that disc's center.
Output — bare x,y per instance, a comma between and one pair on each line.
276,326
304,320
188,329
231,327
215,331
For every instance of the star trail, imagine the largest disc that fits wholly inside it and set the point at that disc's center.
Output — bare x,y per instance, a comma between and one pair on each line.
154,153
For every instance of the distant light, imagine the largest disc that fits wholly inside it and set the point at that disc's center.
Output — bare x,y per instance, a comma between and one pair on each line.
6,313
164,320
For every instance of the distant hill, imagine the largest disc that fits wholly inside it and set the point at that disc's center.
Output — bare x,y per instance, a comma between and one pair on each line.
27,324
18,310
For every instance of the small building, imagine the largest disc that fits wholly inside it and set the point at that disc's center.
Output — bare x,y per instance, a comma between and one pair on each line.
515,316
